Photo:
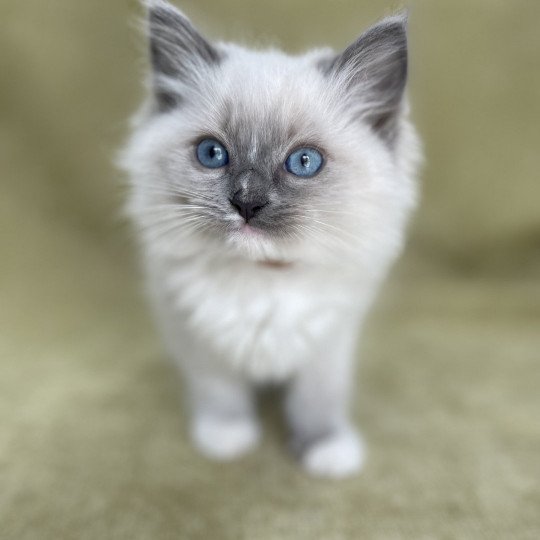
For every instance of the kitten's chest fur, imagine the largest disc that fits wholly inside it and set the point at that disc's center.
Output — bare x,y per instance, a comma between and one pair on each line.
264,321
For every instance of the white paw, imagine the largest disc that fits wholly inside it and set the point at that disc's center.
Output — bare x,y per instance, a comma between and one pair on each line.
225,439
339,455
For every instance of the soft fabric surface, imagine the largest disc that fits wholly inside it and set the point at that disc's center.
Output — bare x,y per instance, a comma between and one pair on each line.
92,434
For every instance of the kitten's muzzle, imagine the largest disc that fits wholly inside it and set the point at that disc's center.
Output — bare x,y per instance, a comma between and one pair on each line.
248,208
250,193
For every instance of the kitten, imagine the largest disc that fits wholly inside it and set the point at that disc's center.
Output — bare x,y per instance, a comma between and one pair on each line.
271,193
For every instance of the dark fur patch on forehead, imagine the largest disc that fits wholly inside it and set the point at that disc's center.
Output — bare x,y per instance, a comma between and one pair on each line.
256,138
263,137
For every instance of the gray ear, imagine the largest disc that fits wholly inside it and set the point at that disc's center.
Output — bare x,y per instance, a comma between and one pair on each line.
177,51
374,69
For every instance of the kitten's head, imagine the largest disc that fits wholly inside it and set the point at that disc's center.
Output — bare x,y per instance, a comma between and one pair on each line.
271,157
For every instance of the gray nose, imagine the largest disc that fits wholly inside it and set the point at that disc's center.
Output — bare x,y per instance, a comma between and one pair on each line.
247,207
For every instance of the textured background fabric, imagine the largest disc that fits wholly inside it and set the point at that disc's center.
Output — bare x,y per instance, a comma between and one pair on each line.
92,434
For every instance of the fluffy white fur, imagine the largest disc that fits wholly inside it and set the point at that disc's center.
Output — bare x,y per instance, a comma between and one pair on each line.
239,306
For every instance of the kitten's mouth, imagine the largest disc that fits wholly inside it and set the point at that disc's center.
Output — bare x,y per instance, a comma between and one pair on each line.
250,235
259,246
246,228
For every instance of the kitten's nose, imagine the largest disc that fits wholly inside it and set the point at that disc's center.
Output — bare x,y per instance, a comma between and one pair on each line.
247,207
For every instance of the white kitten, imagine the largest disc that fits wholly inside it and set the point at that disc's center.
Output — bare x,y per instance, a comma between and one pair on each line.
271,193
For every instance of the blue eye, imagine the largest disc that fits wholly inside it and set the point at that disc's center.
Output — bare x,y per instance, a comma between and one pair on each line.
212,154
304,162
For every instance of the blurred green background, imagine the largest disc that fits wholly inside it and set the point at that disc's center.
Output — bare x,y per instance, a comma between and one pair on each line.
92,440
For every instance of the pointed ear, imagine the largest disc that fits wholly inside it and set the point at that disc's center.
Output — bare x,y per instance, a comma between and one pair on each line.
178,52
374,70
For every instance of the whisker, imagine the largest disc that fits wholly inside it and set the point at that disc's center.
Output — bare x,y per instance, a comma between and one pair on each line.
180,231
168,189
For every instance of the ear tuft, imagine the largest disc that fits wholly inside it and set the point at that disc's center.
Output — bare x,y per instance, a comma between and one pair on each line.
177,51
374,70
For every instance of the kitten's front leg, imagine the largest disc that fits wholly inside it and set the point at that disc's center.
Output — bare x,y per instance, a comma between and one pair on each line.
317,408
223,424
221,405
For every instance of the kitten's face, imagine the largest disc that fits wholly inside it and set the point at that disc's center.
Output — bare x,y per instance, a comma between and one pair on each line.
267,156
